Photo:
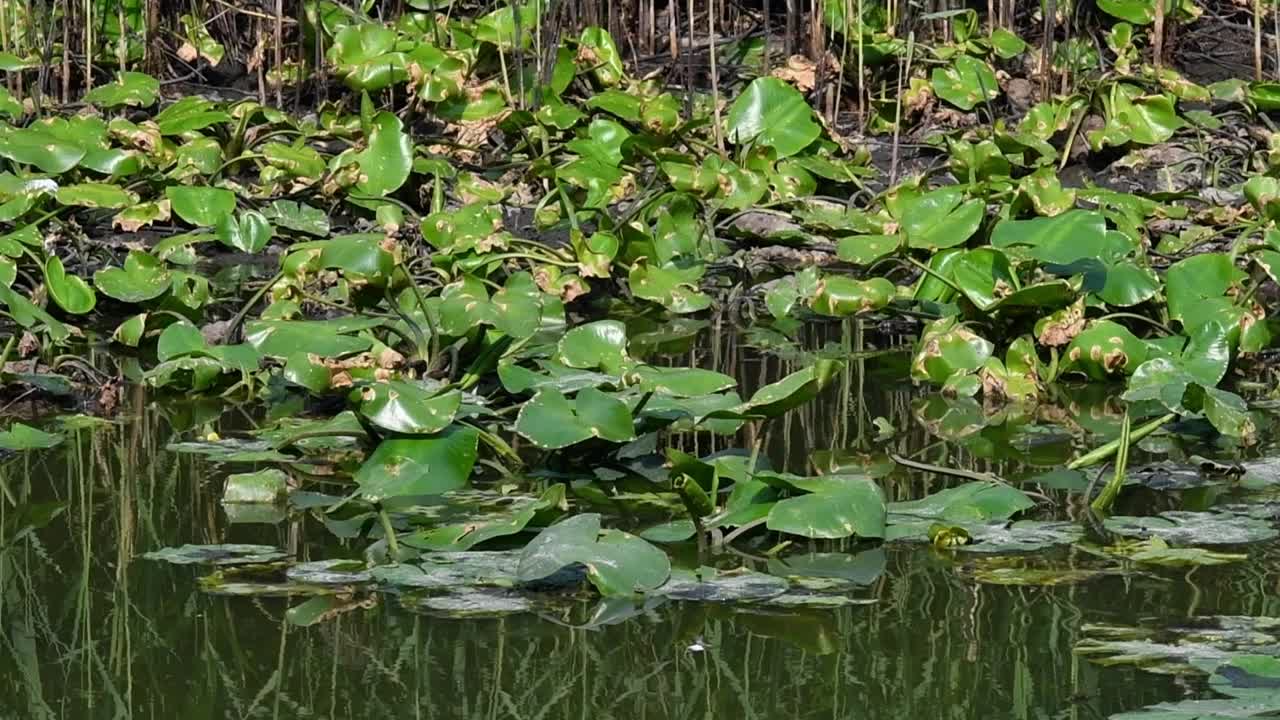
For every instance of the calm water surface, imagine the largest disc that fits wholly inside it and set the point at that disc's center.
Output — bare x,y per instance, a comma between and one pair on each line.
91,630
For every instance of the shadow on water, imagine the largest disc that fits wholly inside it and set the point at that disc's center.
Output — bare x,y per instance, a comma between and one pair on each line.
90,630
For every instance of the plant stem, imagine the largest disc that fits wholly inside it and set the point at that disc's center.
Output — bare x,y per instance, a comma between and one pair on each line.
1107,497
1105,451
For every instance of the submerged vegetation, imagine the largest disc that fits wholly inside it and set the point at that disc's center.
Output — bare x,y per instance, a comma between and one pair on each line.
455,264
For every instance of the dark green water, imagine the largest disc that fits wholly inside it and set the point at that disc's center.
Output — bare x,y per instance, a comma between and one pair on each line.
91,630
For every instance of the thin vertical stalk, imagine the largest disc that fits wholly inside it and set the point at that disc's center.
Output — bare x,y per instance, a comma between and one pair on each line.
688,61
122,44
764,56
1046,49
897,119
1157,36
279,39
1275,21
672,41
518,45
715,82
1257,40
862,70
88,45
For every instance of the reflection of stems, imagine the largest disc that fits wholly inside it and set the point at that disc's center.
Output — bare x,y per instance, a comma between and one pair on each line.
393,545
1105,451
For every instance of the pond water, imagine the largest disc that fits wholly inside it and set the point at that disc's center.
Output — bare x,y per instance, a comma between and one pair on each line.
93,630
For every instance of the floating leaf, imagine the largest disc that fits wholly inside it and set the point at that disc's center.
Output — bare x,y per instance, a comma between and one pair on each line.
476,530
551,421
601,344
404,407
298,217
1181,527
248,233
773,114
96,195
617,563
232,554
979,501
419,466
385,164
70,292
855,507
966,83
264,486
721,586
200,206
25,437
142,278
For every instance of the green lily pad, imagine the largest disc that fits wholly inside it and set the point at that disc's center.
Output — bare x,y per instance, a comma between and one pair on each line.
551,421
96,195
772,114
419,466
410,409
840,296
250,232
968,82
190,113
38,146
1104,349
265,486
477,603
299,217
330,572
280,339
857,569
855,507
477,529
142,278
1180,527
70,292
1180,650
25,437
200,206
597,345
720,586
385,164
673,287
976,501
617,563
938,219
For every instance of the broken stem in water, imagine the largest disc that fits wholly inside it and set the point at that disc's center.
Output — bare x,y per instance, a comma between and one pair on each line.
1105,451
1107,497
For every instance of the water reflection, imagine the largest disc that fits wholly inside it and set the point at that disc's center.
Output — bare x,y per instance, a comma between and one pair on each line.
90,630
